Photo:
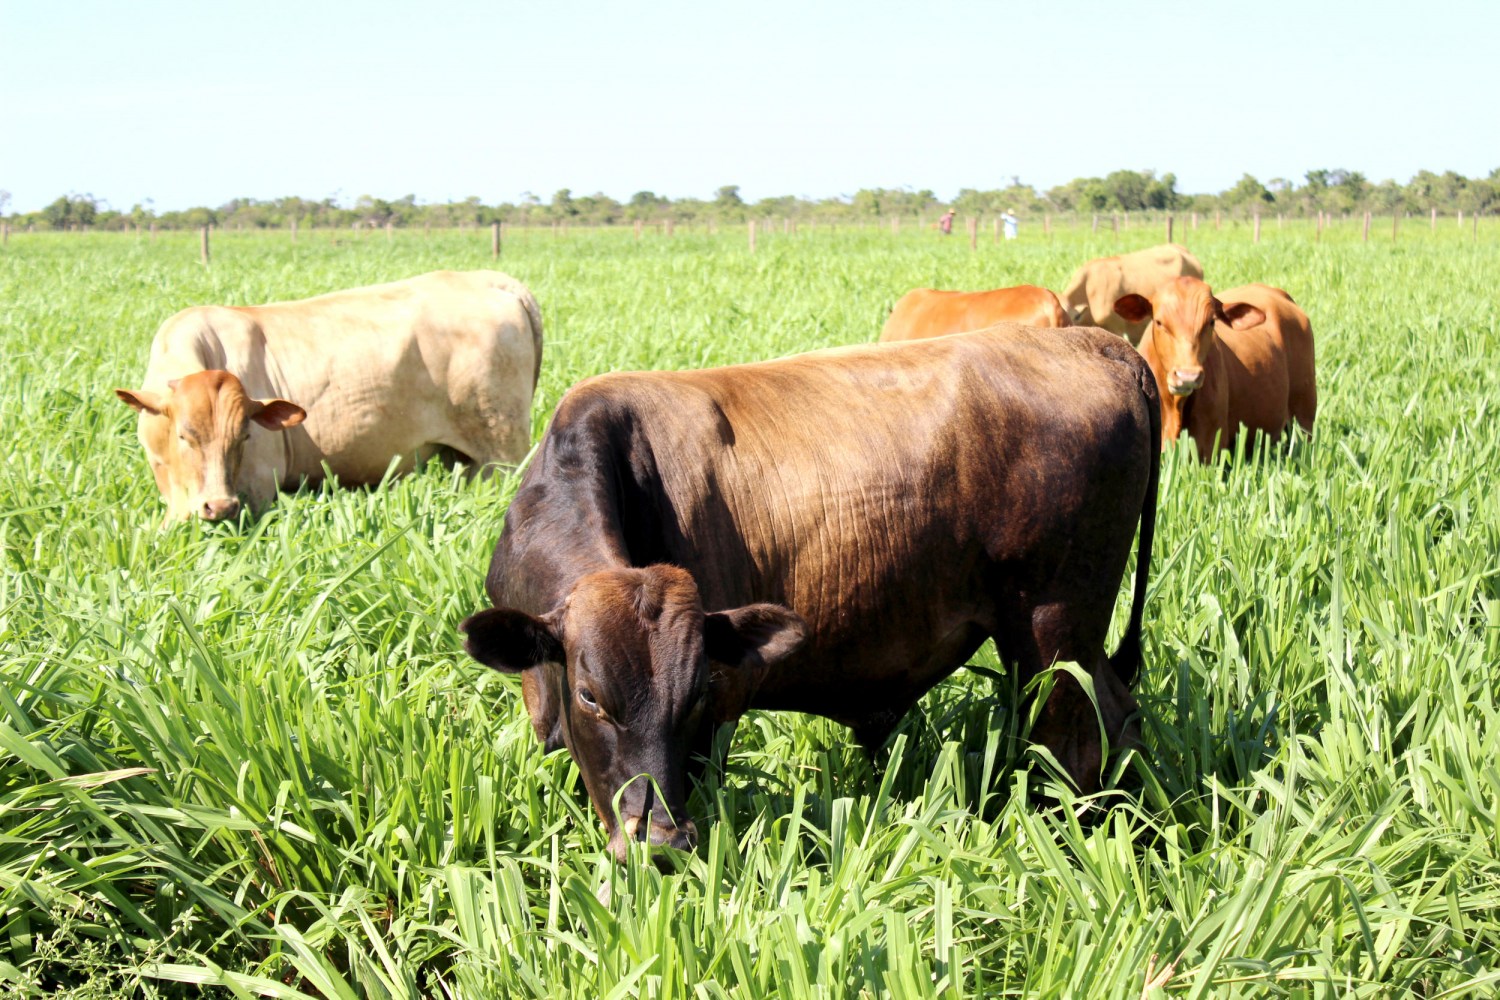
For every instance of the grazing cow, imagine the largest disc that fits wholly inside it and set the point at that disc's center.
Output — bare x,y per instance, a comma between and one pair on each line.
928,312
244,400
831,533
1242,360
1094,288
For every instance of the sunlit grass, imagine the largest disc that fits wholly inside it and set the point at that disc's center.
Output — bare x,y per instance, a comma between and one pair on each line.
254,756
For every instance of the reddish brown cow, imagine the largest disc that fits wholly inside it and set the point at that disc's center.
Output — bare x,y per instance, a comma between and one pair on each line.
1242,360
928,312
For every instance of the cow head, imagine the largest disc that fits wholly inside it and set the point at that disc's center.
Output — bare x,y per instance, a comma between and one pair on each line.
1183,314
195,434
633,676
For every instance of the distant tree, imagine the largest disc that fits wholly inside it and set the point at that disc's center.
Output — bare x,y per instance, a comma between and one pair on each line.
646,205
1127,189
867,202
562,204
1248,192
1384,197
71,210
728,197
1096,196
1161,193
4,200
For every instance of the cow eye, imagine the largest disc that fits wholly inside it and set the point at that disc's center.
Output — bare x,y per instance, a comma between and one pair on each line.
587,698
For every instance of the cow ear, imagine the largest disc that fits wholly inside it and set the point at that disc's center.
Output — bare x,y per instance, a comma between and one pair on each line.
1239,315
278,414
509,640
143,401
746,642
1133,308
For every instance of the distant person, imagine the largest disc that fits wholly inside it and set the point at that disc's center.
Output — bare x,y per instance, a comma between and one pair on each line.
1011,223
946,223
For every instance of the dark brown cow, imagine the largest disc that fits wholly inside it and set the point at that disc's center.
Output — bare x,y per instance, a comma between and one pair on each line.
831,533
929,312
1243,361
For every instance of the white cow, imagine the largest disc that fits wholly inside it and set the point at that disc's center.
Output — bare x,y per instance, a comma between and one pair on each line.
245,400
1095,287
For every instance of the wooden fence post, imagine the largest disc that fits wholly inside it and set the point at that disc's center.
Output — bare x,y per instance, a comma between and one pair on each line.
494,241
1278,220
294,229
1395,222
1318,234
1218,218
1047,226
390,229
1476,227
203,244
752,235
1367,227
1127,218
1460,218
667,228
1114,224
637,230
1434,220
973,233
1195,220
1096,222
895,223
153,230
5,232
1169,227
997,230
1257,227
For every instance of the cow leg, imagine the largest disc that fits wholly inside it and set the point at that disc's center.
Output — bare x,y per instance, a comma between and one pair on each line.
495,437
1067,723
872,731
704,755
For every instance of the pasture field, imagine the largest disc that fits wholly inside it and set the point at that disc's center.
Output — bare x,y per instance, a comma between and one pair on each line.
252,760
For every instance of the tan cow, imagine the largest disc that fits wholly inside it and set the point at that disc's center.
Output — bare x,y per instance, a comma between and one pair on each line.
1244,359
1092,291
928,312
240,401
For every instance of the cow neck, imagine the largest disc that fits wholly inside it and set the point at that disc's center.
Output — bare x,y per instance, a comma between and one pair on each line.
277,388
564,522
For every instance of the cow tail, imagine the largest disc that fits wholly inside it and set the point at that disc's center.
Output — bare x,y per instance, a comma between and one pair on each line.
1127,659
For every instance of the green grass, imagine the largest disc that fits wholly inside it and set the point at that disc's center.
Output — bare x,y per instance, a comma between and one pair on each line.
254,755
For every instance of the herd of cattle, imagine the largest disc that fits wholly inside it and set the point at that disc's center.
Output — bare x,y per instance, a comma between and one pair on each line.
831,533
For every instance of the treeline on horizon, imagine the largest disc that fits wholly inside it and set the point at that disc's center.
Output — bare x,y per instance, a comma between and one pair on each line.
1335,191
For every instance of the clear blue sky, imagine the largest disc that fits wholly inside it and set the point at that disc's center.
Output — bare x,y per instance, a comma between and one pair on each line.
191,103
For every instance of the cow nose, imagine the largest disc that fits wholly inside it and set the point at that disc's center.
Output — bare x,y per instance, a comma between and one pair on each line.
220,510
1184,380
679,837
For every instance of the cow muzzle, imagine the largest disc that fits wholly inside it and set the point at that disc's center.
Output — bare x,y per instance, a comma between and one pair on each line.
225,509
679,837
1182,381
